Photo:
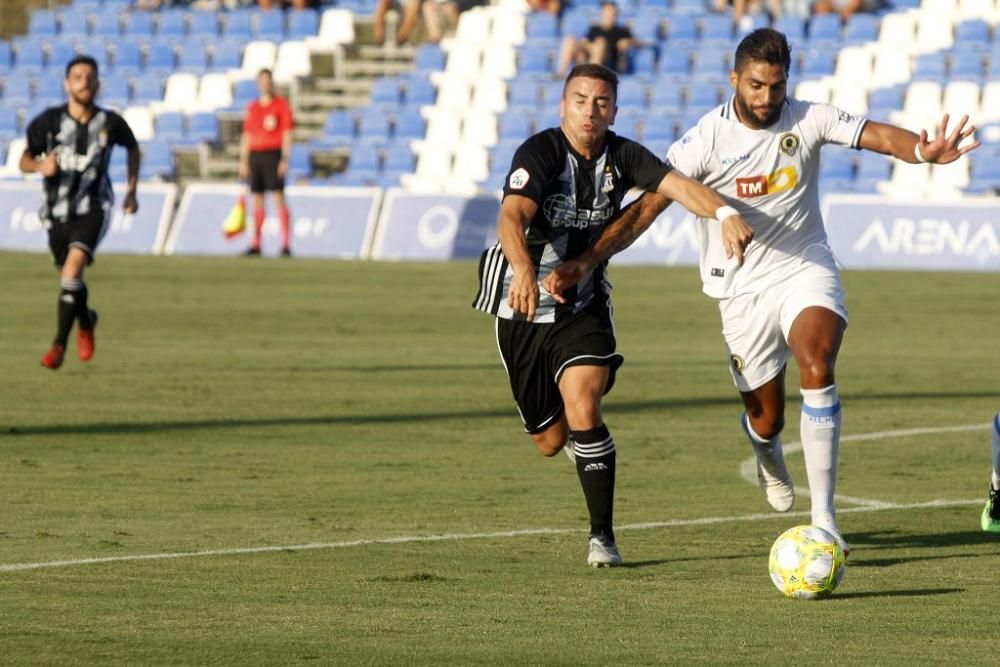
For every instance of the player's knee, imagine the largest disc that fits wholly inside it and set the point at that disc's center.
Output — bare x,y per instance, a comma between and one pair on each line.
816,372
550,442
584,412
767,426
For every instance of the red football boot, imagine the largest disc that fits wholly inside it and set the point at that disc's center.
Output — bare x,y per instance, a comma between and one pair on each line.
54,357
85,339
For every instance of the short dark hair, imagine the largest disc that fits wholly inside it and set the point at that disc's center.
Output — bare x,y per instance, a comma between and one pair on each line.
81,59
593,71
266,71
767,45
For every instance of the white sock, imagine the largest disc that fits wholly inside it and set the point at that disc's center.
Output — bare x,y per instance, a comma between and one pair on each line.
768,451
995,446
820,432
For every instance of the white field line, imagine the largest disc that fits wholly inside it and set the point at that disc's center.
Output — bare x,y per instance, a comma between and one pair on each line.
748,467
871,506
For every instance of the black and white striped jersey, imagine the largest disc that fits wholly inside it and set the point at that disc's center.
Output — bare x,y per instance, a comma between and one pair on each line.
83,151
576,200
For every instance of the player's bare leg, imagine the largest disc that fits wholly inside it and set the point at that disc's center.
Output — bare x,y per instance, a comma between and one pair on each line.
258,221
285,221
762,422
814,339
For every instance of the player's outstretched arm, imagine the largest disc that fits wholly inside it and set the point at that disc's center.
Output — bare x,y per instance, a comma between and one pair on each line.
913,148
131,204
706,203
624,228
515,214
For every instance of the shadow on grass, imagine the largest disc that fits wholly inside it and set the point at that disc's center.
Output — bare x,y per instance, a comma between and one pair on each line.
894,594
612,407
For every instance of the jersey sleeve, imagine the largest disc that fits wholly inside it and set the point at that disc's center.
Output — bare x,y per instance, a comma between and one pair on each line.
533,167
120,133
688,154
39,135
286,122
836,126
642,169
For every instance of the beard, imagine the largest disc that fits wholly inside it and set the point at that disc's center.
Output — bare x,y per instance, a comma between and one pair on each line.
748,115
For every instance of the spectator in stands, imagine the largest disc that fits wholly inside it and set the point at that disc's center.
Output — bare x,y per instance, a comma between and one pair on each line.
845,8
606,43
553,7
743,8
411,12
264,150
442,15
160,4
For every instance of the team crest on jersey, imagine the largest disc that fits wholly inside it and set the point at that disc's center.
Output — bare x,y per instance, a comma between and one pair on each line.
738,363
607,182
518,179
788,143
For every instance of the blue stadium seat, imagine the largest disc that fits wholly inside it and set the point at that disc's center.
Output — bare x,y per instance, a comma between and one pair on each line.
541,25
975,30
544,120
667,99
410,124
674,61
398,157
709,66
816,63
643,61
161,57
793,26
872,169
192,60
356,178
390,178
502,155
689,7
985,174
524,93
533,58
967,66
203,127
647,32
717,26
701,96
59,54
74,21
302,23
930,67
513,126
824,27
128,58
338,129
552,94
299,163
576,21
861,28
138,24
659,126
6,55
236,25
17,89
883,101
385,93
373,125
30,55
170,126
157,160
364,156
8,125
107,24
244,92
631,93
42,23
418,91
682,27
205,24
227,54
146,89
836,165
49,90
429,58
268,25
114,92
171,23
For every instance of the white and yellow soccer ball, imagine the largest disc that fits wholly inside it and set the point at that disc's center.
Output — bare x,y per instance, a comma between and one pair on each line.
806,563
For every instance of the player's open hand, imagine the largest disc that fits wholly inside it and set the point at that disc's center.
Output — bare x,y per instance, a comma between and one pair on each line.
282,168
243,171
523,294
945,148
736,236
130,204
563,277
48,166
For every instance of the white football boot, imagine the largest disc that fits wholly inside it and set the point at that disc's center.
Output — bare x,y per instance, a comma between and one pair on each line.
603,553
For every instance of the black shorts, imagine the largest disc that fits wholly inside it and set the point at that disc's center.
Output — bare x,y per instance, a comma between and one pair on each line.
264,171
535,356
80,231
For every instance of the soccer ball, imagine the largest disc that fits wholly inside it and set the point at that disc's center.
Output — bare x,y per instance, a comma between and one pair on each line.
806,563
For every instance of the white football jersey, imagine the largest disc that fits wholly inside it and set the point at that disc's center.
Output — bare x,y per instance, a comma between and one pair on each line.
771,177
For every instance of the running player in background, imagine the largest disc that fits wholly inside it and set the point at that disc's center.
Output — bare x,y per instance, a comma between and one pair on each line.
70,146
564,186
761,151
991,513
264,149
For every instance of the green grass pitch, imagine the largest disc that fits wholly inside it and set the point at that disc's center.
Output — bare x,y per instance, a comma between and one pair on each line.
361,408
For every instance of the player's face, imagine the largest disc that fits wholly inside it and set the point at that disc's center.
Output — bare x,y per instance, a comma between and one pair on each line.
760,92
587,110
265,85
81,84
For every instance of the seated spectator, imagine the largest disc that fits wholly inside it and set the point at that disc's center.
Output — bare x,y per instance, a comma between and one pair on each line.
743,8
442,15
411,12
845,8
553,7
606,43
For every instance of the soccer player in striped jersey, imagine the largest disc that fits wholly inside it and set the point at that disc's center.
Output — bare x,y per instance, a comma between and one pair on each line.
991,513
564,186
70,145
761,151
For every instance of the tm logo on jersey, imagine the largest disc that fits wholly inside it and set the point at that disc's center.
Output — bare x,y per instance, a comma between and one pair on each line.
782,180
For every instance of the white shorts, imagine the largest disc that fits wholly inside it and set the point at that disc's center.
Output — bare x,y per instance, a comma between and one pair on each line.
755,326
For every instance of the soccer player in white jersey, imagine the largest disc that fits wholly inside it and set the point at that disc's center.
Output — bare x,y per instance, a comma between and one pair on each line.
760,150
991,513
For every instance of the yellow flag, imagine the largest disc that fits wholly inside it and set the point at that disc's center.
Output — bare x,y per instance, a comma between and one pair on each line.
236,221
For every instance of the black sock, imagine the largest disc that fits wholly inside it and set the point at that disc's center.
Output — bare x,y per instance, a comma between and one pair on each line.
595,465
82,311
70,290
